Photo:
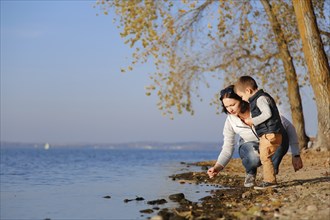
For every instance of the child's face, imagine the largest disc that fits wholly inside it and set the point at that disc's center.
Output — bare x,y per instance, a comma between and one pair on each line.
246,94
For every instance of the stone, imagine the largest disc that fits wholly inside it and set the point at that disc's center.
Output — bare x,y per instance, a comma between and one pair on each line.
137,199
247,195
157,202
204,168
176,197
148,211
156,217
312,208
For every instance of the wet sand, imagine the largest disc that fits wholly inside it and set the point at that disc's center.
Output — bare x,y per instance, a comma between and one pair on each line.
304,194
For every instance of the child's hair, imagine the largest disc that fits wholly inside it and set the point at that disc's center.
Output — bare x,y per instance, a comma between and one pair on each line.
245,82
229,92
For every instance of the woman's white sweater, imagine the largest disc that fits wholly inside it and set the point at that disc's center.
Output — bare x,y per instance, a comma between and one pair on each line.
234,125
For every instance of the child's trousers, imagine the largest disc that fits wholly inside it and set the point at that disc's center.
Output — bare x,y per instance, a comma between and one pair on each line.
268,145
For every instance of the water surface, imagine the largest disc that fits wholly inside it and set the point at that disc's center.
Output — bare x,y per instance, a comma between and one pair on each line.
70,183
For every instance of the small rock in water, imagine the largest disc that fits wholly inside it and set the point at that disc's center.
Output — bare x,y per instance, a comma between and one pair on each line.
137,199
148,211
204,168
185,202
107,197
176,197
157,202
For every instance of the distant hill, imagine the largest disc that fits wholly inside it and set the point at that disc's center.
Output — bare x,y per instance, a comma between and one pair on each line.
131,145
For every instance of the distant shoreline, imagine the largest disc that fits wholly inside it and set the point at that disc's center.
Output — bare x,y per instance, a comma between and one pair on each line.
207,146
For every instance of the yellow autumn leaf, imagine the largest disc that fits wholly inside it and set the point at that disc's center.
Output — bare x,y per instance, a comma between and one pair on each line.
144,43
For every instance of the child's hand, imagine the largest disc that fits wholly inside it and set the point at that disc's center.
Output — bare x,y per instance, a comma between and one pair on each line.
248,121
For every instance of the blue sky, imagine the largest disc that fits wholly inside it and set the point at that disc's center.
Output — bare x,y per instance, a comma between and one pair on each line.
61,82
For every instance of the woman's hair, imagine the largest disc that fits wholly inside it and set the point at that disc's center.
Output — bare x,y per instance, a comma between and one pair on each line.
229,92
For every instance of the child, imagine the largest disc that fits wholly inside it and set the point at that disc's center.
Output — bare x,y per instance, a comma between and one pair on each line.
267,122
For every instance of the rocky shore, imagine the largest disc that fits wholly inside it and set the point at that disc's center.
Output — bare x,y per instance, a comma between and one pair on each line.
304,194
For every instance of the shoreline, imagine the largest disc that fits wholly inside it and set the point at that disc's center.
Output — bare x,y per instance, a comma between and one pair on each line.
304,194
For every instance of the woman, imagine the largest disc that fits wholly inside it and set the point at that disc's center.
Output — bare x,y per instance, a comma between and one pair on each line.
238,110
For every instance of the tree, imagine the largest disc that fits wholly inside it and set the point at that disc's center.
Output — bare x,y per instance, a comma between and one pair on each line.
318,67
291,76
191,40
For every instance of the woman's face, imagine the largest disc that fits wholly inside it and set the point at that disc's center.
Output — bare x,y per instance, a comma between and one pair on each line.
232,105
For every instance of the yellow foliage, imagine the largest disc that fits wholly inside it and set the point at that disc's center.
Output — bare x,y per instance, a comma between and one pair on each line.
173,33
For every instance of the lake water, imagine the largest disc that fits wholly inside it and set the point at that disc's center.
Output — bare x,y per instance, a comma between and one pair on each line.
70,183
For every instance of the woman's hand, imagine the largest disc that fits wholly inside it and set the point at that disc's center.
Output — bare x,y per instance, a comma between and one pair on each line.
297,163
213,171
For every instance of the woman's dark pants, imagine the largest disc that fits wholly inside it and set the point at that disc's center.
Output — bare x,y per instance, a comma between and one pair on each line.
249,153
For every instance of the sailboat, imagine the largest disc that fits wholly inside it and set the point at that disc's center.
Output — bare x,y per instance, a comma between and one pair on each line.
47,146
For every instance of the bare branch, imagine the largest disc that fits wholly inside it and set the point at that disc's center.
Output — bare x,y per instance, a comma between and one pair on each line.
195,16
325,33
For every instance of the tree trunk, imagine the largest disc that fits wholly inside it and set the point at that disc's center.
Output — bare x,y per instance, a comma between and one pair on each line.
290,75
318,68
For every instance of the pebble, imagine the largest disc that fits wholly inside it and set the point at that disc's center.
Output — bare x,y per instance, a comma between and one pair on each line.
157,217
246,195
157,202
277,213
148,211
137,199
176,197
204,168
312,208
